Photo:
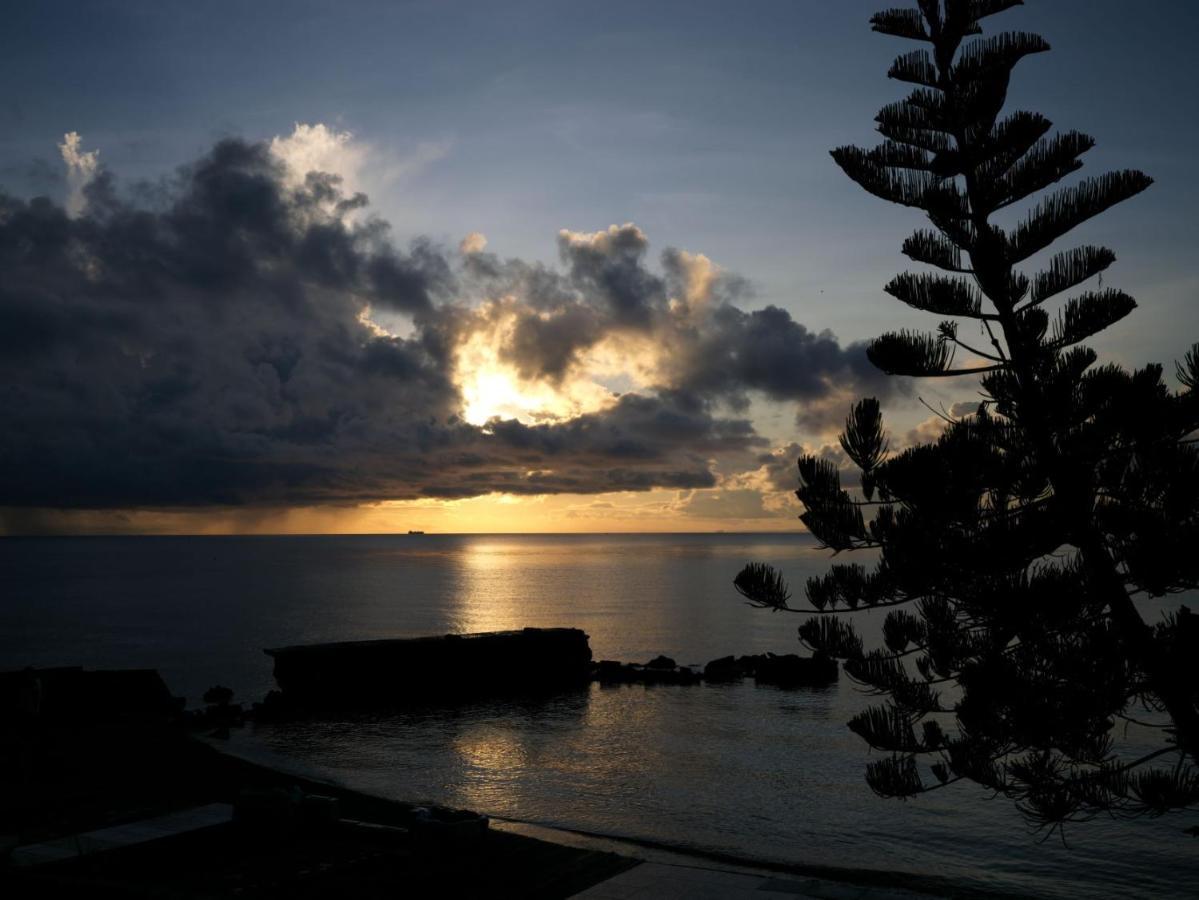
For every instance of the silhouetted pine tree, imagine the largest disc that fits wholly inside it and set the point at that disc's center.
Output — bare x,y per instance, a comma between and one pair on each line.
1013,550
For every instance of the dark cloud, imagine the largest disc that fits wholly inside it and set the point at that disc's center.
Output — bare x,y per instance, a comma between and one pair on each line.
715,351
782,470
202,341
768,351
547,344
640,443
609,266
962,409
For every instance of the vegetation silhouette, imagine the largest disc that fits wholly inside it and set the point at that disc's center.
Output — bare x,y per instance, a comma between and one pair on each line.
1014,551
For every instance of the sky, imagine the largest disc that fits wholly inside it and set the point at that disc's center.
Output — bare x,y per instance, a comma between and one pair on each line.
530,266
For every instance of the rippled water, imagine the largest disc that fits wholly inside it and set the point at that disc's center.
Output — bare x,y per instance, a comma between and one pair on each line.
737,768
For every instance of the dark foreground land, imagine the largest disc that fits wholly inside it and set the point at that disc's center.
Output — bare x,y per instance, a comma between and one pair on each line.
104,793
67,772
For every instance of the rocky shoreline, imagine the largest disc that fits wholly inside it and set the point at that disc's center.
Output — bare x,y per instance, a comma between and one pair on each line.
785,671
454,668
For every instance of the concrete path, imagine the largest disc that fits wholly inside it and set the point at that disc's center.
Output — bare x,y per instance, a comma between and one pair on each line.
663,881
123,835
672,875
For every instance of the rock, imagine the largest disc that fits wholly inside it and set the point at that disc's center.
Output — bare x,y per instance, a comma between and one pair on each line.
787,671
218,694
724,669
791,670
749,664
608,671
676,675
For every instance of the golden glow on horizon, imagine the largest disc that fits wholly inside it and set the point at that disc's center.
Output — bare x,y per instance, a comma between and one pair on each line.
627,512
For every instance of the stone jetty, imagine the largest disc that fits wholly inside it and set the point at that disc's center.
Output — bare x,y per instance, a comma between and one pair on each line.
458,667
432,669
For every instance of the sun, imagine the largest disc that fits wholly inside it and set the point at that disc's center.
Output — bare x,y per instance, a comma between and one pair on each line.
491,392
492,387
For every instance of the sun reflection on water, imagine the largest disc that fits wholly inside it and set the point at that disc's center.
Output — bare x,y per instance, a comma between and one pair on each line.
487,598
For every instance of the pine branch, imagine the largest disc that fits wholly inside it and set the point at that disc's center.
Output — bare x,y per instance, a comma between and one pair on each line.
831,604
922,111
1047,162
937,294
904,23
1068,270
894,777
934,249
1017,288
981,9
762,586
837,522
903,186
885,674
924,138
910,353
916,67
1163,790
819,479
949,210
886,728
1007,142
932,103
932,14
1068,208
901,156
969,348
957,23
1089,314
902,629
830,514
863,439
832,636
1187,371
916,355
995,57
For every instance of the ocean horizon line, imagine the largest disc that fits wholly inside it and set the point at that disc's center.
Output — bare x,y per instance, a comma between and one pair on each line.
330,534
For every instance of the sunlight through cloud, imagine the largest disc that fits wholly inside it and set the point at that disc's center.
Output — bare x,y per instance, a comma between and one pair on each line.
492,387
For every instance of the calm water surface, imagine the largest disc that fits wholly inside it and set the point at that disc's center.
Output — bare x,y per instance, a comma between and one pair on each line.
753,771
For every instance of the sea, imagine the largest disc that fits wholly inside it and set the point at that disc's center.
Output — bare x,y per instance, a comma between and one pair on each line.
751,771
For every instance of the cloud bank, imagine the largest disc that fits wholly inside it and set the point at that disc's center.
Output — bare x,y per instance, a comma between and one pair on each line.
246,333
